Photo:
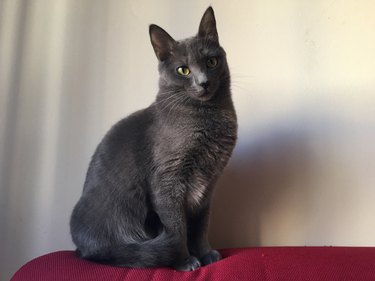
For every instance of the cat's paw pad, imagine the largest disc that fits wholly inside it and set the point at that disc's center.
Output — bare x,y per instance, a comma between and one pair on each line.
211,257
189,264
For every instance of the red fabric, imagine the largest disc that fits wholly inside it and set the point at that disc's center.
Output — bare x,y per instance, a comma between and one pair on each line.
258,264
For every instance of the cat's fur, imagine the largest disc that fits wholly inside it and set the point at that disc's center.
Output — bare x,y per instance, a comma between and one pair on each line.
147,193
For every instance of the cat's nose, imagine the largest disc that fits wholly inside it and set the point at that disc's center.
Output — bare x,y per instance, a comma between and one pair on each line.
205,85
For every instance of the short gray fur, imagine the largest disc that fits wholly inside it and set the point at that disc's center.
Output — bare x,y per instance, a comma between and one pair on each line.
148,188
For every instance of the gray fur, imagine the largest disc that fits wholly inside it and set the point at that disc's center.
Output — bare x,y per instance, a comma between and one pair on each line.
147,193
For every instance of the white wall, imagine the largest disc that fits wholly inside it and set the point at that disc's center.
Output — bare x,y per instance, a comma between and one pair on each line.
303,172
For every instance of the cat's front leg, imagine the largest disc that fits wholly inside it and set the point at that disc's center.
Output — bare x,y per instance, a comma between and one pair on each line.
169,204
198,238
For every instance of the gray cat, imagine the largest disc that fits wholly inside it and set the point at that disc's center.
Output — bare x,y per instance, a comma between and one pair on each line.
148,188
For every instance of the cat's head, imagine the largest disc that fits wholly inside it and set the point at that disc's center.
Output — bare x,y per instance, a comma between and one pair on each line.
196,66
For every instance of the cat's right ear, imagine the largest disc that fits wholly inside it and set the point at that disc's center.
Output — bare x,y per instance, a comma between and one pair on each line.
161,41
207,27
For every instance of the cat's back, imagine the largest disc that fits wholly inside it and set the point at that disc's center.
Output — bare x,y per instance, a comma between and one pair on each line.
123,150
131,130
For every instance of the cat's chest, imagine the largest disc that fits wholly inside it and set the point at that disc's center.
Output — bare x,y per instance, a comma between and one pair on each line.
212,137
203,141
208,149
197,192
195,151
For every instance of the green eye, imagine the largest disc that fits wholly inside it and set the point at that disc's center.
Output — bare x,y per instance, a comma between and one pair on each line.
211,62
183,70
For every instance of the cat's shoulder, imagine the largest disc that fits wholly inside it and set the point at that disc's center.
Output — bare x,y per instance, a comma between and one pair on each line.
133,125
138,118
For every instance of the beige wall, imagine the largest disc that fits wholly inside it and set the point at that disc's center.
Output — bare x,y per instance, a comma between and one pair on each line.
303,172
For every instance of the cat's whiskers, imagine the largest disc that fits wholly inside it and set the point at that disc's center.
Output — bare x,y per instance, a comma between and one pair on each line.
176,97
164,100
235,83
177,103
172,90
238,87
172,94
238,82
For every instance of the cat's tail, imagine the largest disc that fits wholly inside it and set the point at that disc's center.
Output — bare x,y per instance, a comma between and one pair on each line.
157,252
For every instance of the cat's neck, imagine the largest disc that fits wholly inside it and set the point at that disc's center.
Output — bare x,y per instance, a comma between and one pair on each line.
171,99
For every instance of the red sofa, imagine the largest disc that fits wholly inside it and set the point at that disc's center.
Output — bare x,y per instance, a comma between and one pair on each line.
258,264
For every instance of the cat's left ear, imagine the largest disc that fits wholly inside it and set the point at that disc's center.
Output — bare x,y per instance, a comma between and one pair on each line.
207,27
161,41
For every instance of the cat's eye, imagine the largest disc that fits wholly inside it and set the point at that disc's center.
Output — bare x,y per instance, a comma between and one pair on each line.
183,70
211,62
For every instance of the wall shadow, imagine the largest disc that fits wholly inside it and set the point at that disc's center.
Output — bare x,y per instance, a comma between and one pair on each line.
261,172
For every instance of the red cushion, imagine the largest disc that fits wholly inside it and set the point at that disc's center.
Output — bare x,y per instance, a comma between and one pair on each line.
268,264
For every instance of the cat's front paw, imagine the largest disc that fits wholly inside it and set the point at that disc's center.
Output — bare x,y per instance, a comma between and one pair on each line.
211,257
189,264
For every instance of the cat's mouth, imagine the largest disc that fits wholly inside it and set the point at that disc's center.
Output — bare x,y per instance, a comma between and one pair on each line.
204,94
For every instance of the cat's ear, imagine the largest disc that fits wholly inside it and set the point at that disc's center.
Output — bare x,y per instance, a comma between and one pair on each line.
161,41
207,27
